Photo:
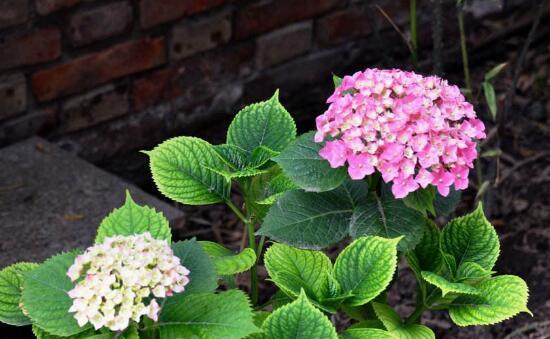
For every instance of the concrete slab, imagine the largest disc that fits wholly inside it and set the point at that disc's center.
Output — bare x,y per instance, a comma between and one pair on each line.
52,201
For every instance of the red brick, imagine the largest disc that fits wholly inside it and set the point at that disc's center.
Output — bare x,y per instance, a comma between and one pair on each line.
283,44
95,69
39,46
13,12
343,25
156,12
13,95
191,37
45,7
264,16
195,78
99,23
99,105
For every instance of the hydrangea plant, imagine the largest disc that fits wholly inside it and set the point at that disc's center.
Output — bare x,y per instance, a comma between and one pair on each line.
390,154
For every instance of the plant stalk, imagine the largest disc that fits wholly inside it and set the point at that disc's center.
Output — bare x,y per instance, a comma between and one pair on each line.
464,50
414,41
252,245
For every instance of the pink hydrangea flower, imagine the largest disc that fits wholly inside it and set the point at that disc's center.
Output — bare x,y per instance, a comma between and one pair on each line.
416,131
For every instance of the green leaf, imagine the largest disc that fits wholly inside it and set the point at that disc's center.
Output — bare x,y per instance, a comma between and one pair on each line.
491,153
390,218
45,296
427,251
299,319
11,286
276,188
88,334
366,267
471,238
241,164
227,262
494,71
447,286
490,97
182,170
226,315
202,276
313,220
337,80
446,205
292,270
421,200
366,333
387,315
132,219
501,298
413,331
470,271
266,124
302,163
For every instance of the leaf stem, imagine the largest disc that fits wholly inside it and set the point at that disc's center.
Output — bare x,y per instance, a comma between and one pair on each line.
252,245
420,308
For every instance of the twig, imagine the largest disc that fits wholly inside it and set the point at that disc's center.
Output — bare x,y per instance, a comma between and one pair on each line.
521,164
403,36
527,327
413,25
437,36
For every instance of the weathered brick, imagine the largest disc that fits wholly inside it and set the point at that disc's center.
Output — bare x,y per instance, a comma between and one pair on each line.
39,122
95,69
343,25
99,105
99,23
38,46
191,37
13,95
156,12
13,12
195,78
45,7
283,44
264,16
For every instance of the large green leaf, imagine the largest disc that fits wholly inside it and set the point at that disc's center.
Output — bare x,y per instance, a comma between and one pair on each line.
428,251
132,219
182,169
422,200
45,296
302,163
11,286
472,272
387,316
446,205
266,123
202,276
447,286
313,220
471,238
88,334
388,217
366,333
227,262
293,269
501,298
413,331
226,315
299,319
365,267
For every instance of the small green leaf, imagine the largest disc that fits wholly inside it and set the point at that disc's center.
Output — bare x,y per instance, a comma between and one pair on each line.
292,270
446,205
490,97
88,334
447,286
11,286
470,271
302,163
337,80
202,276
495,71
225,315
299,319
491,153
276,188
366,267
501,298
182,170
427,251
45,296
132,219
421,200
366,333
413,331
471,238
241,164
227,262
266,124
387,315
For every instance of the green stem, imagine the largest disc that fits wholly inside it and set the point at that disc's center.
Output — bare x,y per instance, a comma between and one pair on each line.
251,244
260,247
421,307
413,24
464,50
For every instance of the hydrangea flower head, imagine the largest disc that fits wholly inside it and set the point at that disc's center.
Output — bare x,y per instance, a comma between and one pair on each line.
415,130
119,279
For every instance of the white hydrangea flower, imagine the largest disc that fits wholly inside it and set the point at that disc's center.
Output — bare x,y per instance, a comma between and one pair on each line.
118,280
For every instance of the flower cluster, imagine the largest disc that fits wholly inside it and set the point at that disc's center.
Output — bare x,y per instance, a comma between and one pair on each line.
117,277
414,130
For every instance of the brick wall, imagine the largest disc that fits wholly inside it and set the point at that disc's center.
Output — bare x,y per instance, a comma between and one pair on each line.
105,77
